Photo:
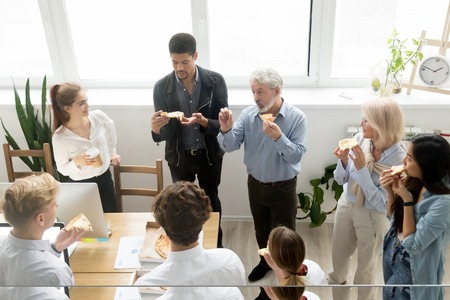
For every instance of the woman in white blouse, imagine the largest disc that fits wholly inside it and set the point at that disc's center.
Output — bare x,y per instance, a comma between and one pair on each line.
84,143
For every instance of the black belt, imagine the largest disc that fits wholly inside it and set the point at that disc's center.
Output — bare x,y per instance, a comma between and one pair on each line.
195,152
272,184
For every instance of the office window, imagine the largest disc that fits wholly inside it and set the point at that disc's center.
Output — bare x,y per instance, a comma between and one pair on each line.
23,45
125,40
245,35
116,43
362,29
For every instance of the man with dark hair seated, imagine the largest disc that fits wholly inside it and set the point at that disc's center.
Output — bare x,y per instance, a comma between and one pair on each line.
181,209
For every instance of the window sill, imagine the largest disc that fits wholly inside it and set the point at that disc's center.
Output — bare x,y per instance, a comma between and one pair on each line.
242,97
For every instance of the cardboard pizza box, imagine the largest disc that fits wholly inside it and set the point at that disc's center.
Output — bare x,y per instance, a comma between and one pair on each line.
148,252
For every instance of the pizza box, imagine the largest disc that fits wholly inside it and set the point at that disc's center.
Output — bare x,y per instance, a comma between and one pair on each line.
148,252
148,257
147,292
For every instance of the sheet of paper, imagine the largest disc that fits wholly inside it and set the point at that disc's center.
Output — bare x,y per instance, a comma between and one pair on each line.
127,293
128,253
132,293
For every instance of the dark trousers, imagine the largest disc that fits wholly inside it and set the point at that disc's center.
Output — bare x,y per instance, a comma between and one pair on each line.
272,206
208,178
105,186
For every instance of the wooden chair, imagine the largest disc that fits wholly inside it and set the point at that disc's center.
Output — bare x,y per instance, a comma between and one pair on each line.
45,153
135,169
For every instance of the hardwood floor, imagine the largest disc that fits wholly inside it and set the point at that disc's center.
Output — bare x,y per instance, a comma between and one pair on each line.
239,236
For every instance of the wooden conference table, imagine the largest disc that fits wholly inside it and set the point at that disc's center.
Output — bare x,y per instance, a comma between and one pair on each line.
93,262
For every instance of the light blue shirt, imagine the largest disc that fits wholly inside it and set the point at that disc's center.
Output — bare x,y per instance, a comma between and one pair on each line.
267,160
374,194
427,246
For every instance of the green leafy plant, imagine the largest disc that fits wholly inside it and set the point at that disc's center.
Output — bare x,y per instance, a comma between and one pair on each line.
310,202
400,57
36,126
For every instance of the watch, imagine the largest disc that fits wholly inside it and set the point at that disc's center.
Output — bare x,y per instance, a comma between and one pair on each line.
435,70
54,248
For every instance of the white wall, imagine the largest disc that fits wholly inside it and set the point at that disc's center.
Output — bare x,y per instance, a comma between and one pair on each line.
328,117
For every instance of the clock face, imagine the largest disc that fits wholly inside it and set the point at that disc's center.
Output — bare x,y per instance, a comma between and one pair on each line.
435,71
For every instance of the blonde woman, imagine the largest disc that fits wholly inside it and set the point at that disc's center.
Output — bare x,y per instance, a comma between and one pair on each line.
360,222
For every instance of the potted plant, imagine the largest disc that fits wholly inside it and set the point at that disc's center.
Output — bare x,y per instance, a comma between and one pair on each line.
399,58
36,127
310,202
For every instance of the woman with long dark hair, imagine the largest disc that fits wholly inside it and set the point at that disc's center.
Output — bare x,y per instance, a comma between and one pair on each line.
418,206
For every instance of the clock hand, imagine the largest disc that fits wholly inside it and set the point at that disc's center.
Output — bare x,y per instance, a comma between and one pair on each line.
438,69
429,68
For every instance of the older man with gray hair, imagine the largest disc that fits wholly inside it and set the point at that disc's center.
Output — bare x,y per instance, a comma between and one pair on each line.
274,136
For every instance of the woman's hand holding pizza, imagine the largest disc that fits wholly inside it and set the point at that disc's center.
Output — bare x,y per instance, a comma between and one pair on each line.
399,188
387,180
393,183
342,155
358,157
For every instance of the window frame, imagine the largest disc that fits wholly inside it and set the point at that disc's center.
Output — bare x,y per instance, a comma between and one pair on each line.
62,55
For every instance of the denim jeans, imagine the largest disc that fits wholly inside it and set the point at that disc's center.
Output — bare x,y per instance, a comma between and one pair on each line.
396,268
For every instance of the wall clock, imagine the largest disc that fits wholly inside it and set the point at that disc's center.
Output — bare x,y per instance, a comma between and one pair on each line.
434,71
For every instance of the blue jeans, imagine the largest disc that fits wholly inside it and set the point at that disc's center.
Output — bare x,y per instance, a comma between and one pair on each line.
396,268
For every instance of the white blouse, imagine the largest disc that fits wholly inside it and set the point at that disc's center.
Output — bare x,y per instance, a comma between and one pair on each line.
67,145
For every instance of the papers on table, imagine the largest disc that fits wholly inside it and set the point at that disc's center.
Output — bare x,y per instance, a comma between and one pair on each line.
127,293
128,253
132,293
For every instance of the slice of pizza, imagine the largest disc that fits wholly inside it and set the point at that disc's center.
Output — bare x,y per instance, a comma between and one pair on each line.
395,170
174,114
79,222
162,245
267,117
348,143
263,251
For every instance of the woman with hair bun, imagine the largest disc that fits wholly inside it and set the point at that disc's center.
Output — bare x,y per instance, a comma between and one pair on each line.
286,256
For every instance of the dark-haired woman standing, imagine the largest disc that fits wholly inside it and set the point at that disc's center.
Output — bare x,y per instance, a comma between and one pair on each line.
419,209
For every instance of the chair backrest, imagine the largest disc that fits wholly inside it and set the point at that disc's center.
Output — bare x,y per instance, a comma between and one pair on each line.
148,191
45,153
